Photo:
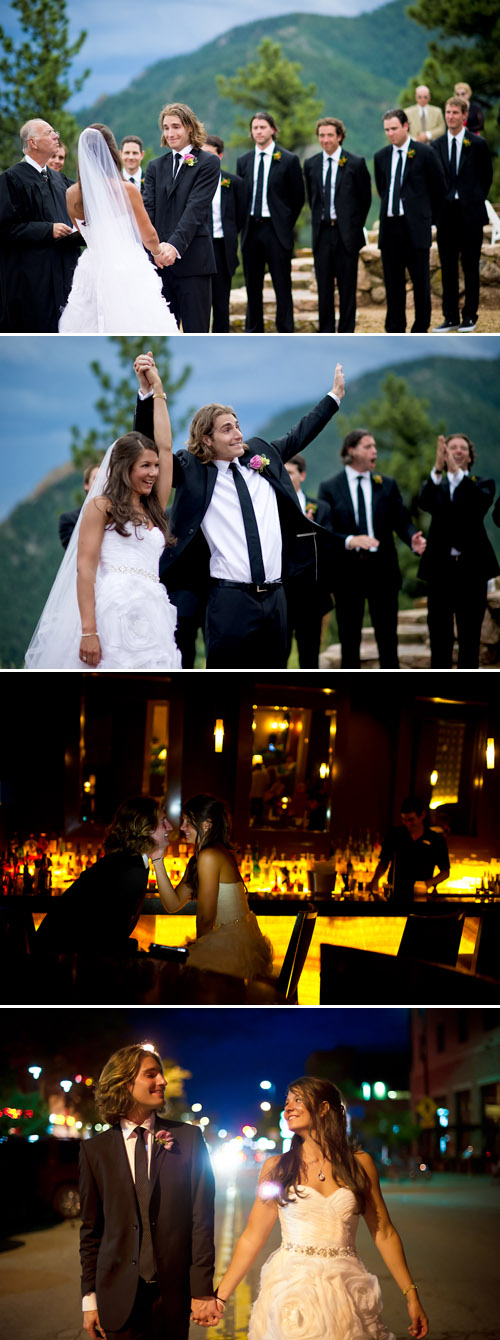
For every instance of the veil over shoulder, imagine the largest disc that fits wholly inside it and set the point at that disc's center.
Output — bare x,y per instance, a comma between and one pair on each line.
115,287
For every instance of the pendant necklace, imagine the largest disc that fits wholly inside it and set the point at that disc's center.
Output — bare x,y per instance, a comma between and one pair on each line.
321,1175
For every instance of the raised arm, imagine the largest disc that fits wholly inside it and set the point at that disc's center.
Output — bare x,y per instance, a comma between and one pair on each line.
90,539
262,1219
312,424
150,380
172,897
389,1244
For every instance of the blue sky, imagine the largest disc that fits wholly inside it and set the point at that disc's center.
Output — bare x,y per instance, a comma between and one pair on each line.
46,384
122,41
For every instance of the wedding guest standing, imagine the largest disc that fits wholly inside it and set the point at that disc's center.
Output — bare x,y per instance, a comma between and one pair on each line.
339,194
414,853
57,162
425,121
39,247
275,190
411,185
465,160
178,193
131,155
228,213
459,559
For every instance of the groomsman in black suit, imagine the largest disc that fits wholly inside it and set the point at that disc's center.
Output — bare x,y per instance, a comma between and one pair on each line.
276,195
459,559
365,509
307,602
39,248
410,182
228,214
240,531
465,160
132,154
178,193
339,194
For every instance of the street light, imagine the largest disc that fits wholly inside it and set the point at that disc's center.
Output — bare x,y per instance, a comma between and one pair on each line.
35,1070
379,1089
265,1084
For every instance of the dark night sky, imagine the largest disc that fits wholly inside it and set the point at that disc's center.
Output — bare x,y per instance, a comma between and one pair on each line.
228,1050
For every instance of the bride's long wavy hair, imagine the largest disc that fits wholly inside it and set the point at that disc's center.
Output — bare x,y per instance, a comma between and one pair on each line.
199,810
330,1131
126,451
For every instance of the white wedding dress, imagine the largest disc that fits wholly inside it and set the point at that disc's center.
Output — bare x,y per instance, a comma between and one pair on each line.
235,945
315,1287
121,297
134,617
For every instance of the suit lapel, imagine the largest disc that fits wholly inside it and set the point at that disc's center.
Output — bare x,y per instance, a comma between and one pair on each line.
344,486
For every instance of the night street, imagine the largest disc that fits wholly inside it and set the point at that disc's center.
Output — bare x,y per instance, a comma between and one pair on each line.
449,1227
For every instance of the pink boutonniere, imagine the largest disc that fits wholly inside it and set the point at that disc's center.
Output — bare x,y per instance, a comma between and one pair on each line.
165,1139
259,462
225,181
277,155
190,160
377,479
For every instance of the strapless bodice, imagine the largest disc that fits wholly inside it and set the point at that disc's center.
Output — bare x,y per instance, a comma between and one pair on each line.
137,553
323,1224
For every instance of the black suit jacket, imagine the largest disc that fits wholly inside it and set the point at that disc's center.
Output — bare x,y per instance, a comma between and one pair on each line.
285,192
458,523
180,210
181,1215
389,514
109,894
353,195
67,523
36,270
474,177
233,207
422,191
306,546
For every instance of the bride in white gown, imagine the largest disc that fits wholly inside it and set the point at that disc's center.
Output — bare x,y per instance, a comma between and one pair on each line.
115,288
314,1287
107,609
228,936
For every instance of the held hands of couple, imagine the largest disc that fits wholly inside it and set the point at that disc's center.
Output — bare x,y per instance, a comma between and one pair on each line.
204,1312
166,255
147,373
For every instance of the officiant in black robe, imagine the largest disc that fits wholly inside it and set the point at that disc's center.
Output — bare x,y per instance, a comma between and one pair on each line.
38,247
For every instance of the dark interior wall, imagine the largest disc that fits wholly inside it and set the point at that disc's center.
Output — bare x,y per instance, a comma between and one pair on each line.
366,748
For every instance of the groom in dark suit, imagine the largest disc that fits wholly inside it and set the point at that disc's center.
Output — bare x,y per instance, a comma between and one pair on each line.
365,509
339,194
410,182
147,1209
275,190
178,192
465,161
240,530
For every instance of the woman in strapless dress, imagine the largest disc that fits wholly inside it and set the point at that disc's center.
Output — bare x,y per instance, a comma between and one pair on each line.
314,1287
228,938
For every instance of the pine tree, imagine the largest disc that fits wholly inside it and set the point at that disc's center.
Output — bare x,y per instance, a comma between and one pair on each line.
272,83
34,75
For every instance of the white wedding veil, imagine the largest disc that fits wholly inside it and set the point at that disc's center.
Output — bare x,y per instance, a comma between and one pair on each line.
56,640
108,212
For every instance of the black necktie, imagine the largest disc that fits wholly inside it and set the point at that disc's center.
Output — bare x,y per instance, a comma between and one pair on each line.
327,192
257,209
143,1189
177,159
396,195
251,529
362,517
453,162
132,179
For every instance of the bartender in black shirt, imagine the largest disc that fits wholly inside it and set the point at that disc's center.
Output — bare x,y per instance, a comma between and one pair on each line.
413,850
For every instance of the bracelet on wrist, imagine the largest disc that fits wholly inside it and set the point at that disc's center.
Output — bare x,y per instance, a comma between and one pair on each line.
159,395
410,1286
219,1299
89,634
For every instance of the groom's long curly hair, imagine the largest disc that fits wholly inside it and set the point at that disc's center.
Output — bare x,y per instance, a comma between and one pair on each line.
112,1094
329,1129
202,425
126,451
197,132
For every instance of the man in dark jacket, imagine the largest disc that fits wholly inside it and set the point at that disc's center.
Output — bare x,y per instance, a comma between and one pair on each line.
339,194
275,193
410,182
465,162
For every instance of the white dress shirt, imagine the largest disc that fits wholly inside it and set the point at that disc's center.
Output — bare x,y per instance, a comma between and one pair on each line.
268,158
32,163
217,229
133,177
335,163
396,151
302,500
366,485
89,1302
459,142
224,530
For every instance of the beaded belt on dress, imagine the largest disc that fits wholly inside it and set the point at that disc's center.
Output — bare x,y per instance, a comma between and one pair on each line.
138,572
318,1251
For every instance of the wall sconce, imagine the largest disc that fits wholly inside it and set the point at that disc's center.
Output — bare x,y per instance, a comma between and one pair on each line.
433,777
219,735
490,753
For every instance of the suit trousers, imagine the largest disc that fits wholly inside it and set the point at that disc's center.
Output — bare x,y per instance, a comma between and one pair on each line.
221,290
261,247
398,256
459,240
332,262
304,618
361,581
461,593
190,299
244,631
148,1319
